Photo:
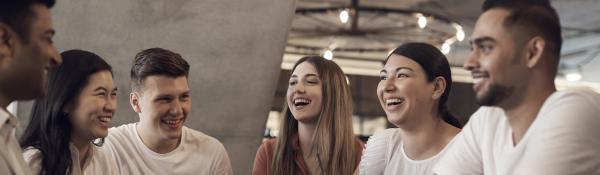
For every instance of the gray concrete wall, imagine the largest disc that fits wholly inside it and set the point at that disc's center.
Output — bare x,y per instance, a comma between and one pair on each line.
235,48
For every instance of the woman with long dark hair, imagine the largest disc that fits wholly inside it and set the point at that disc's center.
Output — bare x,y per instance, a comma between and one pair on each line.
316,134
80,104
414,87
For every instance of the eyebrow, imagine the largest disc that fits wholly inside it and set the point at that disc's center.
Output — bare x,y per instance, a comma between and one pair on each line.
171,95
104,89
480,40
397,69
100,88
163,96
307,75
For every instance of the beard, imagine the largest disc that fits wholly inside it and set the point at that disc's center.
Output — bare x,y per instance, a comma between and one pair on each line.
495,95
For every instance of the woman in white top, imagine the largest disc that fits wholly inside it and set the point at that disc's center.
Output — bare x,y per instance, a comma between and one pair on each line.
414,87
80,104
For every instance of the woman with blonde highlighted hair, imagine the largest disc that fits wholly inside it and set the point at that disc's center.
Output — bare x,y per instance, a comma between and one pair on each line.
316,135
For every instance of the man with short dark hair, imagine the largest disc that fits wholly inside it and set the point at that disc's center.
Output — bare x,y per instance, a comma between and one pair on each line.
26,54
524,125
159,143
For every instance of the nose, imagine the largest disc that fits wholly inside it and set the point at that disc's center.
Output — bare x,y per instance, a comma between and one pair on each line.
472,62
111,105
300,87
55,58
388,85
176,108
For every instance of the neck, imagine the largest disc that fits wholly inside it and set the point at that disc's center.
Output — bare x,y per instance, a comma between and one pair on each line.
83,146
305,136
427,138
154,143
523,111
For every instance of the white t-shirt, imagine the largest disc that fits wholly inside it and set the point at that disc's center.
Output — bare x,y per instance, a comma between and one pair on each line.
96,162
563,139
197,154
384,154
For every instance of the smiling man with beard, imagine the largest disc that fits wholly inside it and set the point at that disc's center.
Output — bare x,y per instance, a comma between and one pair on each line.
159,143
524,125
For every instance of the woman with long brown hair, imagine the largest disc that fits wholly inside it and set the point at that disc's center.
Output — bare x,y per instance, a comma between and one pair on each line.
316,135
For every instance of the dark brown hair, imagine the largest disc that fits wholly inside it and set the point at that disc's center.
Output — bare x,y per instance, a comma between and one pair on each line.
534,17
157,61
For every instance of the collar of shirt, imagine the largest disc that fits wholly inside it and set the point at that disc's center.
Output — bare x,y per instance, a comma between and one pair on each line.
75,158
7,118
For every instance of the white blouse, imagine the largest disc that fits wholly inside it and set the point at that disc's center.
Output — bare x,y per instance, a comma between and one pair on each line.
96,162
384,154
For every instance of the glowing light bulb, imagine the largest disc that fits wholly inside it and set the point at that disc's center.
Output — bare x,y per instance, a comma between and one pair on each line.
344,16
328,54
422,21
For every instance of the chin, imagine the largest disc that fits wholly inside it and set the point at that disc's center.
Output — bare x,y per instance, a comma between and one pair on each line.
305,118
396,119
100,134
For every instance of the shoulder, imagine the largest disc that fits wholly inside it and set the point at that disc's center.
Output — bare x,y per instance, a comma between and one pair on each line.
576,96
377,150
573,111
384,137
123,129
577,106
267,147
120,138
485,118
201,141
487,113
120,132
382,143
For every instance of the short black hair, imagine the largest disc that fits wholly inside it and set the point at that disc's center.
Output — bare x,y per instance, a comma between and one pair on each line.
534,16
18,15
157,61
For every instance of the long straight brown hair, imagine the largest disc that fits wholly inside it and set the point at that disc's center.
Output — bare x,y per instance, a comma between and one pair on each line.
333,139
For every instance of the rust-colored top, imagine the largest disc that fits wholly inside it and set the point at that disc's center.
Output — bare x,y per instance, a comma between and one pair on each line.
264,157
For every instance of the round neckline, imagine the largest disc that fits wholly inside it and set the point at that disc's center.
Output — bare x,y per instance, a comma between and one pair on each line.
410,160
155,154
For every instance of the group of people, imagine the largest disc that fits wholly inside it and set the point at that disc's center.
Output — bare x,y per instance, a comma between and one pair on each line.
525,126
75,101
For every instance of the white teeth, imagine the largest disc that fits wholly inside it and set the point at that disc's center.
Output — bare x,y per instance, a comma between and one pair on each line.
172,122
393,100
105,119
301,100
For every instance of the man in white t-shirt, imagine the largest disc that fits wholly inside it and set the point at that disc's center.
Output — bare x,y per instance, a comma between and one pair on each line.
524,125
26,54
159,143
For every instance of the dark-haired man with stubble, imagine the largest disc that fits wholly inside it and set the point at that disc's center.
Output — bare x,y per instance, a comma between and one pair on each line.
26,54
524,125
159,143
